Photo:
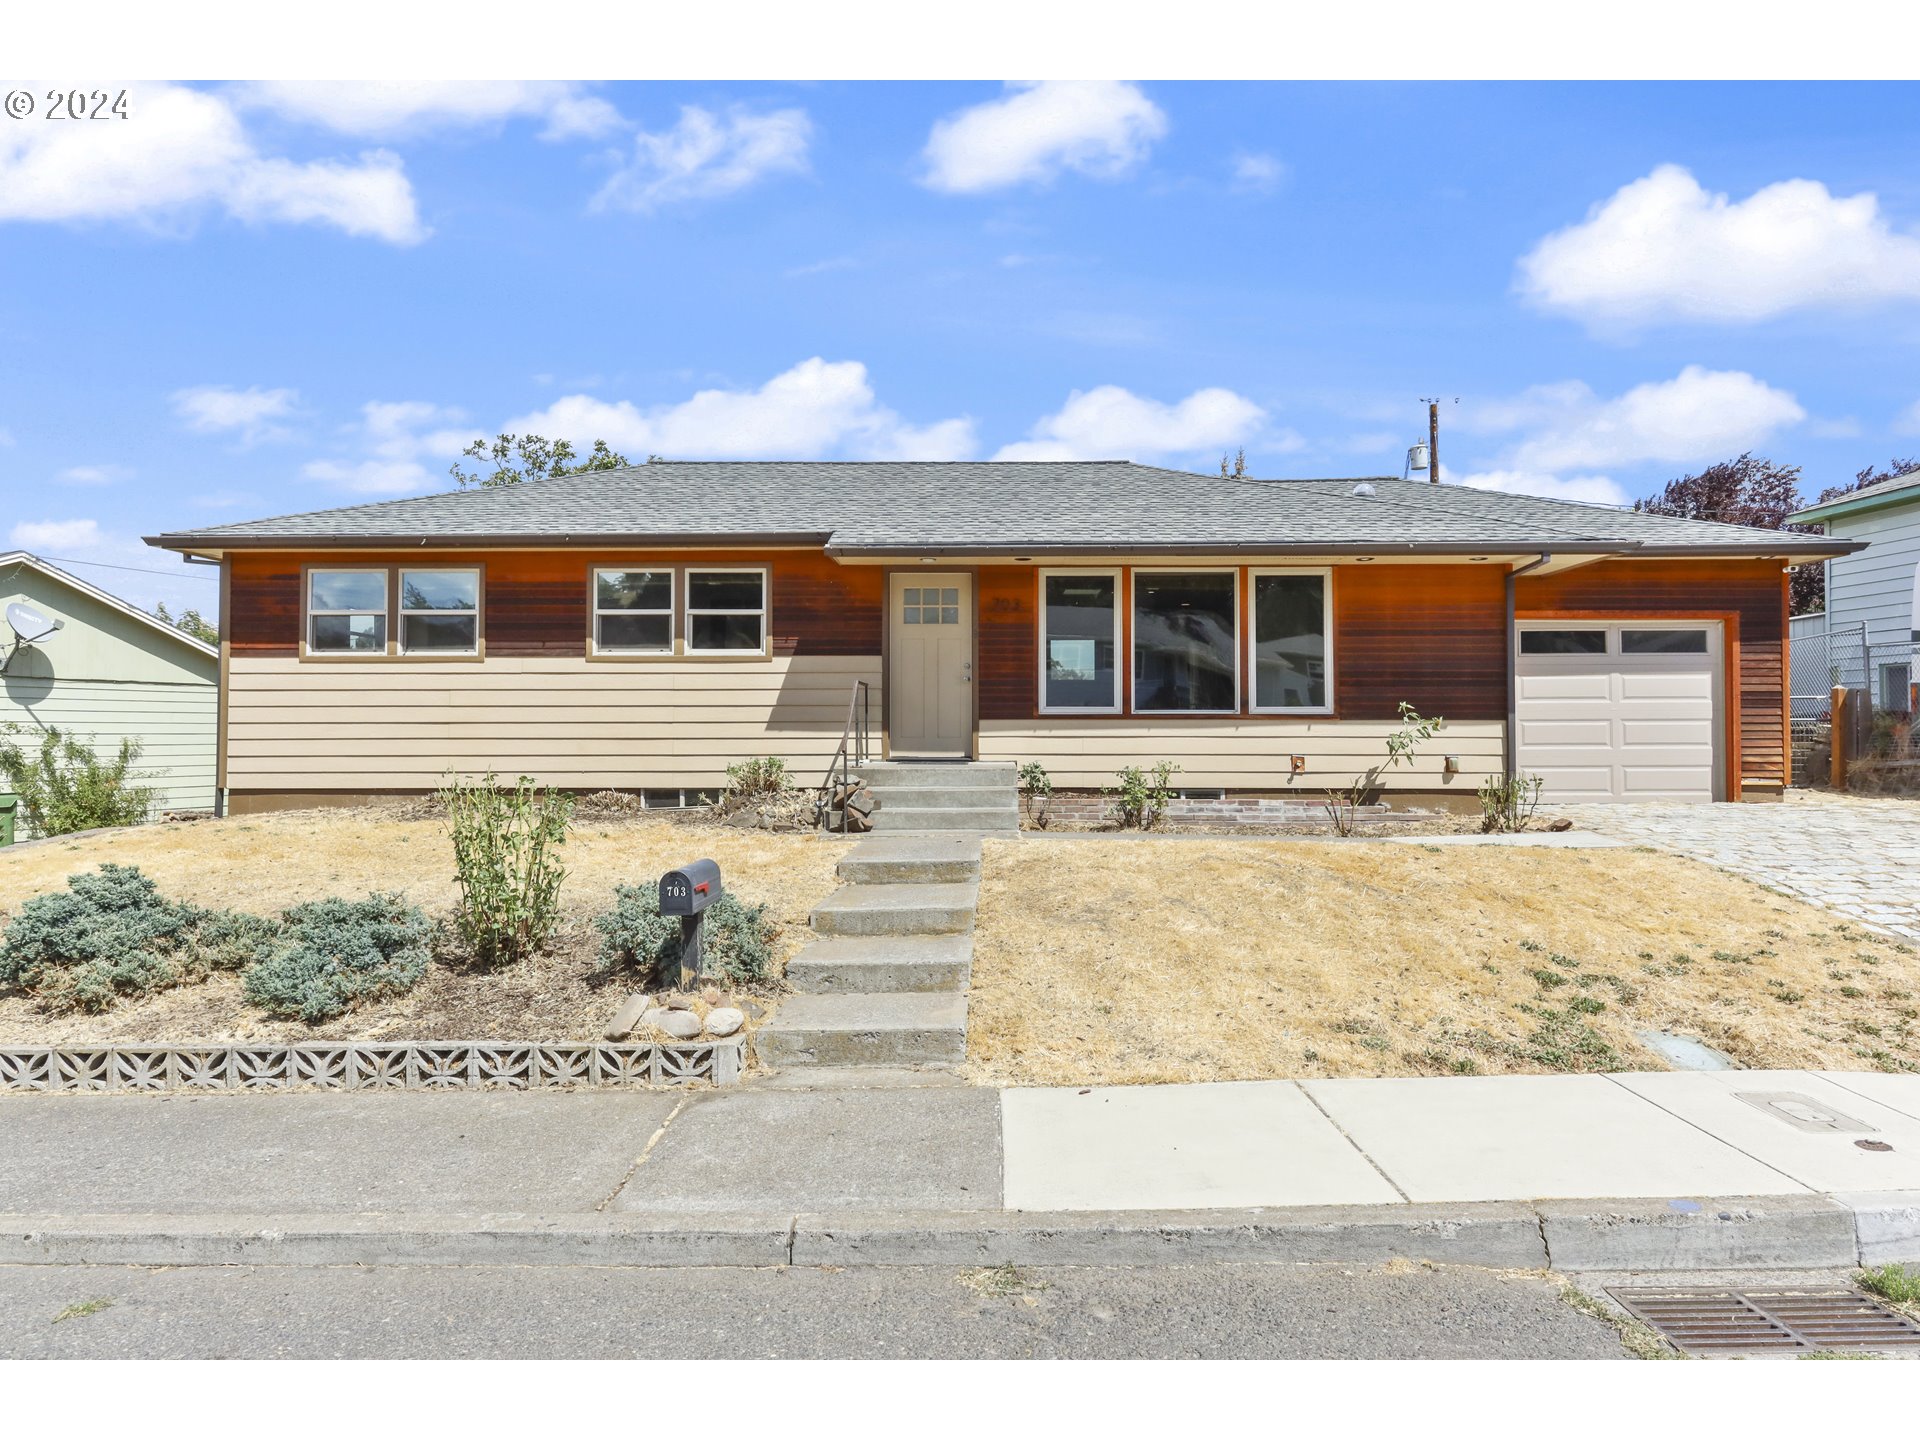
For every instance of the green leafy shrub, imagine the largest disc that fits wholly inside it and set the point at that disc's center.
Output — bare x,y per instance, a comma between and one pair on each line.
1142,796
111,933
737,938
1507,802
1036,793
64,786
1415,730
503,856
760,778
333,954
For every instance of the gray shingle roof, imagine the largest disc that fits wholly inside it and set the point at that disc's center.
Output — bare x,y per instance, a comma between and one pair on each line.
982,507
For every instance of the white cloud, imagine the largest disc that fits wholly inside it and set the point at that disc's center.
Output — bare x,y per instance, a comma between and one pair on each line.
92,474
1594,489
393,438
1564,438
817,408
1698,415
383,107
1664,247
50,536
707,155
1100,128
1907,422
185,152
219,409
1112,423
1257,173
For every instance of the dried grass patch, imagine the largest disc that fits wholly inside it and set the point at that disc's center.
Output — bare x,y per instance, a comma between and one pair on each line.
267,862
1143,961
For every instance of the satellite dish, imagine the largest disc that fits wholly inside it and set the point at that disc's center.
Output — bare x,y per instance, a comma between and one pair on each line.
29,624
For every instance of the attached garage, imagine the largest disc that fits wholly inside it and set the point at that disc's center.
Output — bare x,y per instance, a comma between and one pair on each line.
1622,710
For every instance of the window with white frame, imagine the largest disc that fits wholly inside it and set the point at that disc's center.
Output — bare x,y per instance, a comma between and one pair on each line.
1186,641
726,611
347,612
1079,641
633,612
1292,640
439,612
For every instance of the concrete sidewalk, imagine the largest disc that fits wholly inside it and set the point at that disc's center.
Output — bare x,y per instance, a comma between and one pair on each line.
1619,1171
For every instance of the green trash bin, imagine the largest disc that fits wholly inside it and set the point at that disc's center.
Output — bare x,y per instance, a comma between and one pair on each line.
9,806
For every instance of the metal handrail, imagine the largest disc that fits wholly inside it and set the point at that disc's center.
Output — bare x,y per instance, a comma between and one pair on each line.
855,739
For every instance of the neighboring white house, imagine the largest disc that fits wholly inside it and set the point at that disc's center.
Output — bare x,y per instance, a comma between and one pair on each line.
110,672
1872,590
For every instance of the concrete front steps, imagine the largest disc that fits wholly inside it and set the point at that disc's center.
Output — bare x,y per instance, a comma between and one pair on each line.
920,796
884,983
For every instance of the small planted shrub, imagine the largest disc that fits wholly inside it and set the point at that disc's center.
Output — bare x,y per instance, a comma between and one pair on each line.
504,844
334,954
737,938
1507,802
1142,796
761,778
64,786
111,934
1036,793
1415,730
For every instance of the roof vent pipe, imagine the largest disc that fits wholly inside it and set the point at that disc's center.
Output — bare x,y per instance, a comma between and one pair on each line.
1363,489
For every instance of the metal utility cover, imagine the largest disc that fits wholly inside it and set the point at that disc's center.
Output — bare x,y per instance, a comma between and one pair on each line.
1705,1322
1803,1112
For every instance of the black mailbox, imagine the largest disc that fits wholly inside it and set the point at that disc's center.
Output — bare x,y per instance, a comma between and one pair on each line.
687,892
690,889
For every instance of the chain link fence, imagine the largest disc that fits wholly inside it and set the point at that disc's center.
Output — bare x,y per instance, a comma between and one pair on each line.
1884,678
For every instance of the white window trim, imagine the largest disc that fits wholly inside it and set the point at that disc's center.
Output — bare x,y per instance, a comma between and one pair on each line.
598,610
1254,707
764,610
1118,630
385,612
1133,635
400,572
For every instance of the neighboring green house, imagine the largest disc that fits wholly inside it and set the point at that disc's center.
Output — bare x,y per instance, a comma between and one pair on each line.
111,672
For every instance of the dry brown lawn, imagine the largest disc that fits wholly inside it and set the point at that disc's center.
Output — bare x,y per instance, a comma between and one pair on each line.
1142,961
264,863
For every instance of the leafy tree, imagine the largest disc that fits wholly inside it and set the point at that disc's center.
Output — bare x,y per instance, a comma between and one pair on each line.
190,622
1234,467
516,458
1749,490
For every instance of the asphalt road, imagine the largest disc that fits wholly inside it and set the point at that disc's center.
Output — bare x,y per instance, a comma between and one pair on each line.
1221,1311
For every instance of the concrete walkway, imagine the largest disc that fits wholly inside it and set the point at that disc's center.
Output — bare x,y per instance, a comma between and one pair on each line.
1475,1167
1857,857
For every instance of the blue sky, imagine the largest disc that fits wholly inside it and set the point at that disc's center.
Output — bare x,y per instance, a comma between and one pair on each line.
251,300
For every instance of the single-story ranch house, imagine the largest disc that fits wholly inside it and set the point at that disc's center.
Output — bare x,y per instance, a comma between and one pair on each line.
642,628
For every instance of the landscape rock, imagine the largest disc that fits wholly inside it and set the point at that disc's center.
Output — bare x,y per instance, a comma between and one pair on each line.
757,1012
680,1024
724,1021
678,1002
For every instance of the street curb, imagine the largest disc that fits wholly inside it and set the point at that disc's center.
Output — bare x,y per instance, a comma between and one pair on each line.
1493,1235
652,1240
1765,1233
1744,1233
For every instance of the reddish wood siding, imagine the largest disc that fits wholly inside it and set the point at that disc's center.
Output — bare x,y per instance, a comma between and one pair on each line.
536,600
1008,642
1747,592
1434,636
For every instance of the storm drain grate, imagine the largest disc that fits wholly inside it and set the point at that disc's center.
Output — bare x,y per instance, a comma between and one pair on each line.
1763,1322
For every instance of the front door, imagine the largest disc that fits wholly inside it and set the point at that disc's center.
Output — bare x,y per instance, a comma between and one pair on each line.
930,666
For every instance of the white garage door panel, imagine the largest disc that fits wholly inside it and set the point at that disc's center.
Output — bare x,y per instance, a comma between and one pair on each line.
1621,727
1562,686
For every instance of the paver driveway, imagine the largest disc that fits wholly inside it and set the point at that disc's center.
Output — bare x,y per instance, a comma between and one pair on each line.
1858,857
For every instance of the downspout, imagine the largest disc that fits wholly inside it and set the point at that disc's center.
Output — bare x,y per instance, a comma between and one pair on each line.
1512,748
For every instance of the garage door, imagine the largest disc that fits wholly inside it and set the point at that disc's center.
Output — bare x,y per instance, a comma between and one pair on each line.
1627,711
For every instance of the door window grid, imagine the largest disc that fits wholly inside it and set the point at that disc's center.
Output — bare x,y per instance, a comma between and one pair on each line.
930,605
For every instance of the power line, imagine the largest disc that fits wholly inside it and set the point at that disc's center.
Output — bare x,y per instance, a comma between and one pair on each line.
136,569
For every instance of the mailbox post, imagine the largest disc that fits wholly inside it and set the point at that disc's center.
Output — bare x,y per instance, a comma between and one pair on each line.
687,892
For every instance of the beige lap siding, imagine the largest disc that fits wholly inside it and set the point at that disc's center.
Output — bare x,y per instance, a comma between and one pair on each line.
1084,752
673,724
